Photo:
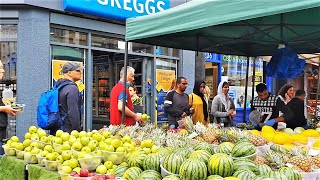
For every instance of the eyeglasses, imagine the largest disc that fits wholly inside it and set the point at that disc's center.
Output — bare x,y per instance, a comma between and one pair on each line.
184,83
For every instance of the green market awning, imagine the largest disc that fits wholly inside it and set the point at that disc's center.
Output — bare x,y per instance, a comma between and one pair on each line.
239,27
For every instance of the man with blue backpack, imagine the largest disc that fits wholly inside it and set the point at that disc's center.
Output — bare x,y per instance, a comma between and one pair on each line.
60,107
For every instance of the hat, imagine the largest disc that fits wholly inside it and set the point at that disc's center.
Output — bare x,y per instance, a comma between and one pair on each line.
71,66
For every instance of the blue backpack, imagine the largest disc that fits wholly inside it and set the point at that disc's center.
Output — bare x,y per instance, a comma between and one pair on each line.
48,115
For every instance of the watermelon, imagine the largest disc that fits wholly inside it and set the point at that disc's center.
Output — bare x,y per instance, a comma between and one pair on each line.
244,174
231,178
152,162
193,169
263,169
221,164
150,175
277,175
200,154
120,170
214,177
225,147
163,151
244,164
243,149
204,146
171,177
136,159
262,177
290,173
182,151
132,173
172,162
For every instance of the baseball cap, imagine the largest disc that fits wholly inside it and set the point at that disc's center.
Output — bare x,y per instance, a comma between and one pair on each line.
71,66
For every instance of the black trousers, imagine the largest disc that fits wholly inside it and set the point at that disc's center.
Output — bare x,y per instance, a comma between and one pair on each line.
3,135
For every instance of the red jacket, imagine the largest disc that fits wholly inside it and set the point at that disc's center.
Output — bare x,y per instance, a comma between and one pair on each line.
115,114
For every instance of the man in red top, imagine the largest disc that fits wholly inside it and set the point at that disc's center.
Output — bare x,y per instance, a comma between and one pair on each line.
117,98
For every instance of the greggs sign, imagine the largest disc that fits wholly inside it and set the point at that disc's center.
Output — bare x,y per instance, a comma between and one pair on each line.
116,9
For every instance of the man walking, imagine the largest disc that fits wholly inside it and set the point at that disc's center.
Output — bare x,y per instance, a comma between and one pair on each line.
176,103
70,99
116,102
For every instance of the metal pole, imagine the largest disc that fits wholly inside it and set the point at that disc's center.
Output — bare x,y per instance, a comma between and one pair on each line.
125,83
318,87
253,80
246,92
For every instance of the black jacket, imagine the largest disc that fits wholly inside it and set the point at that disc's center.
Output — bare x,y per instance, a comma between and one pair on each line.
296,105
70,102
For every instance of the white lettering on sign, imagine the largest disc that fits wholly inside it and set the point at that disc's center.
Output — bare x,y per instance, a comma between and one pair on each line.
149,6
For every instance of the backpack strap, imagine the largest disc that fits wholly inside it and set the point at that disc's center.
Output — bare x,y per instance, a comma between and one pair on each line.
64,84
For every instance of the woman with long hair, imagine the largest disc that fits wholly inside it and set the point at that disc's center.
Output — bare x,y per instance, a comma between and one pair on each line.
286,93
198,101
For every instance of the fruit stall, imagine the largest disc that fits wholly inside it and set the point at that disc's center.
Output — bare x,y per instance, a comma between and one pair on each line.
192,152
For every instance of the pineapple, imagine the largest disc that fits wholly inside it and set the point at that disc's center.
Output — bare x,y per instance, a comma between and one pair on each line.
209,136
316,161
301,162
257,140
260,160
199,138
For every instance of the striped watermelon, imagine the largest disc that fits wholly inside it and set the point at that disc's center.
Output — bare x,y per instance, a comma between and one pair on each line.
136,159
172,162
163,151
263,169
214,177
225,147
150,175
231,178
120,170
182,151
243,164
262,177
276,175
201,154
204,146
171,177
221,164
244,174
243,149
290,173
193,169
132,173
152,162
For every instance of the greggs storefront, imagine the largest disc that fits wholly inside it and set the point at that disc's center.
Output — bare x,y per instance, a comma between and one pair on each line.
43,35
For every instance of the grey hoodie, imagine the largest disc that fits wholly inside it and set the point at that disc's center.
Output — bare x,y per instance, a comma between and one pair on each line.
70,101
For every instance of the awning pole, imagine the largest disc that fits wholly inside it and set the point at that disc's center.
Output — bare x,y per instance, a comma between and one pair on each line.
125,83
246,91
317,95
253,80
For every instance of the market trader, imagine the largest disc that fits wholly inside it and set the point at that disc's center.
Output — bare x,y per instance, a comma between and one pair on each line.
270,107
117,101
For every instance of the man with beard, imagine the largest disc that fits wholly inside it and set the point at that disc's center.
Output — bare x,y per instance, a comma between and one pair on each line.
176,103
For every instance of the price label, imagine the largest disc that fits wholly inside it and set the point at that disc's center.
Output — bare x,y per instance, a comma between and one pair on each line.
193,135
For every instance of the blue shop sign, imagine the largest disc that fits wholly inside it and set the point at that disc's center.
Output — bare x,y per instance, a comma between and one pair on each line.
213,57
116,9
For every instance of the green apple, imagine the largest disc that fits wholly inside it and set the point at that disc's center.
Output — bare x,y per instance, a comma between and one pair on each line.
82,134
130,149
122,149
116,143
112,158
48,148
14,139
32,129
101,145
108,164
77,169
108,141
134,144
86,149
28,149
106,134
75,133
126,138
96,136
126,144
59,133
97,153
27,156
92,146
66,169
89,134
66,155
43,153
84,141
155,148
58,140
56,154
101,169
110,171
77,146
41,132
144,117
44,139
53,165
19,146
71,141
94,131
27,135
65,146
73,163
35,151
82,154
34,145
59,159
65,163
26,142
109,148
65,136
20,154
114,166
147,150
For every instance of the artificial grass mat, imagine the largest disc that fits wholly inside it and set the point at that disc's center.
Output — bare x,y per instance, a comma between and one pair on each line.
12,168
36,172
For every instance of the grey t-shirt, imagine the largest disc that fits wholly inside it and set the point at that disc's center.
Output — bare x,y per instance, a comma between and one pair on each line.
175,105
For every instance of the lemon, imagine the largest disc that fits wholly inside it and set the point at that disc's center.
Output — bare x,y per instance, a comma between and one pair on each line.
317,144
255,132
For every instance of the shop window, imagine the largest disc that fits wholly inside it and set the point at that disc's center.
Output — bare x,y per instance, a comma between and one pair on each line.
162,51
68,36
8,31
107,42
142,48
175,52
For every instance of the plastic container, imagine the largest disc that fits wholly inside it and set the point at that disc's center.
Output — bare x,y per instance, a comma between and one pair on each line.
312,140
40,143
309,175
57,148
75,153
114,157
30,158
41,160
318,171
64,176
246,157
263,149
9,151
90,163
164,172
51,165
19,154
